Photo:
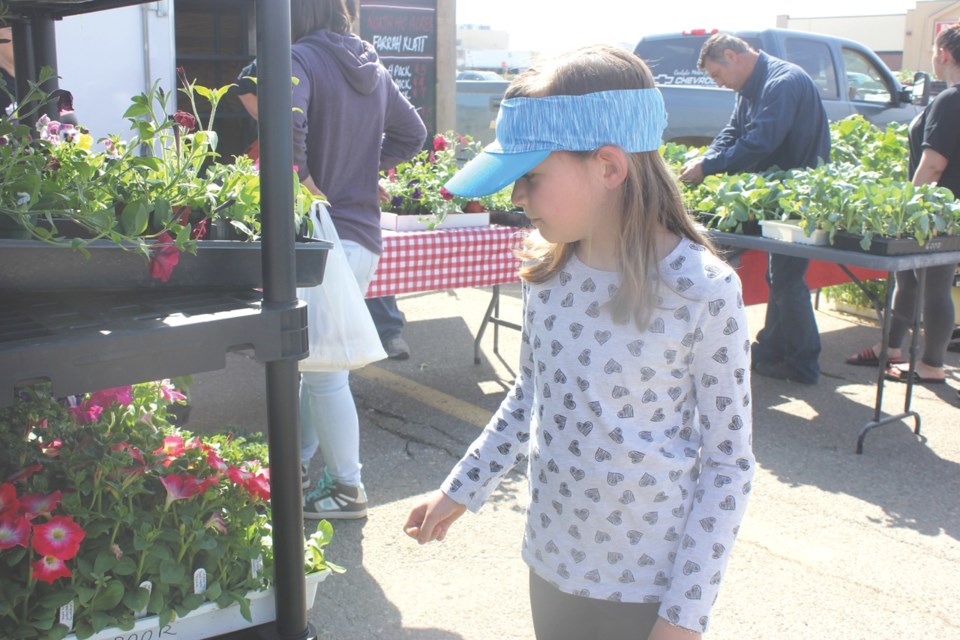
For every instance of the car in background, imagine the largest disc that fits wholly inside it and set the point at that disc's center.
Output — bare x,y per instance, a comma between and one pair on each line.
485,76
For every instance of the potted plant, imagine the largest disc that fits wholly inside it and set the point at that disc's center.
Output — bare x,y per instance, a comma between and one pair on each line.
156,193
110,514
416,196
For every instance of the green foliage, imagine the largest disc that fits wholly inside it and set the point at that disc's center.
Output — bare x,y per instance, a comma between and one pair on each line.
166,177
416,187
864,190
114,469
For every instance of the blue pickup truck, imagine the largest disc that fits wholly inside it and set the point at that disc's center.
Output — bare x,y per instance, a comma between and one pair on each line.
851,79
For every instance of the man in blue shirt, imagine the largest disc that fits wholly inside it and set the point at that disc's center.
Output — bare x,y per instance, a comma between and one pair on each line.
778,123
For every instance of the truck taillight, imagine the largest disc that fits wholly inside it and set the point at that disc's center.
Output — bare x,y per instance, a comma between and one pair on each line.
700,32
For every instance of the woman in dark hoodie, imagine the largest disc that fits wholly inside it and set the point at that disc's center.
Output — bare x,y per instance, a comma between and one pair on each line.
350,122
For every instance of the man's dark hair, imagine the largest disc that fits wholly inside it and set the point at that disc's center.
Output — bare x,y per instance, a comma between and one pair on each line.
716,44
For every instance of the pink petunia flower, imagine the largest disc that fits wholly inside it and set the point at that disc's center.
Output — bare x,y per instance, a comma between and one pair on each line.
168,392
25,473
135,454
199,230
106,397
216,522
14,531
59,537
215,461
440,143
164,257
8,499
183,486
259,485
49,569
34,505
86,413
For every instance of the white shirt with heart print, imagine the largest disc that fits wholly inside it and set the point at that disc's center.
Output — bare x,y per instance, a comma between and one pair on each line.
637,443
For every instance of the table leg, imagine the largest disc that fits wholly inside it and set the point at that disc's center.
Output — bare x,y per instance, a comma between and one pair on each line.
887,322
492,316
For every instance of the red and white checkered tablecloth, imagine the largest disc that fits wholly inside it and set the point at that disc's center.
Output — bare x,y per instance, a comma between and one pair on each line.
415,261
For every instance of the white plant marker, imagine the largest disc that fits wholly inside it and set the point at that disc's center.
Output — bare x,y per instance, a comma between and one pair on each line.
142,613
256,567
66,615
200,580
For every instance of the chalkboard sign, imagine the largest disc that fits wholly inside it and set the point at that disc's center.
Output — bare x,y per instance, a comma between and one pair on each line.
404,33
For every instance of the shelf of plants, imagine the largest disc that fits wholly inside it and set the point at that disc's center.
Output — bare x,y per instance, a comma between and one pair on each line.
93,339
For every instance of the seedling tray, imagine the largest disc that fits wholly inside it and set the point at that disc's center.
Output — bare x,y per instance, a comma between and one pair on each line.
886,246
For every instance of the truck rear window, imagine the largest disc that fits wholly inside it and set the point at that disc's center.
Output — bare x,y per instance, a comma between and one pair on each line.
674,61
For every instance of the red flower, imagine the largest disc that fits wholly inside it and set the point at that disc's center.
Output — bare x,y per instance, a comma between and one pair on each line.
60,537
216,522
259,485
14,531
183,486
167,391
199,230
440,143
106,397
128,448
185,120
164,257
8,499
49,569
134,453
216,461
86,413
446,194
25,473
36,505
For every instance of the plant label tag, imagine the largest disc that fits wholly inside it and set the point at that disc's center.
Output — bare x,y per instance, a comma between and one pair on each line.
200,580
256,567
142,613
66,615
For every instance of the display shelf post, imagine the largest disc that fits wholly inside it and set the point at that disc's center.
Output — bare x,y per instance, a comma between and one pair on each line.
275,123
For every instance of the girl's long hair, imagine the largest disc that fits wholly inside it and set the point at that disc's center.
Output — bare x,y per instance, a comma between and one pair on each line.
650,194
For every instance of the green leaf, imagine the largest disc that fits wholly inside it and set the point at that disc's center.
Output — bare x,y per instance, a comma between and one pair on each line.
172,573
135,218
137,599
108,597
104,562
57,599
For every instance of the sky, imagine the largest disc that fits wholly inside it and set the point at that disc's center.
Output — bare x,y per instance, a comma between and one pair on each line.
552,26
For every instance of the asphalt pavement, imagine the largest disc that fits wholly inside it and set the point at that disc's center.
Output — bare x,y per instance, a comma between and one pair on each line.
834,545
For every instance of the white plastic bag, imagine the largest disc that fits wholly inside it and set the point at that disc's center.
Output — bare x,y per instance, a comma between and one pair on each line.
342,333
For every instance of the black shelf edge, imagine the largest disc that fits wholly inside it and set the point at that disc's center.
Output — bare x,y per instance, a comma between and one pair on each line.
84,342
61,8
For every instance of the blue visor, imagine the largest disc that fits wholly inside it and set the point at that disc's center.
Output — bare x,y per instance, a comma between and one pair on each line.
529,129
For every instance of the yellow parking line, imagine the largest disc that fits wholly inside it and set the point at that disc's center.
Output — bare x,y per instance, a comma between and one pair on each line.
459,409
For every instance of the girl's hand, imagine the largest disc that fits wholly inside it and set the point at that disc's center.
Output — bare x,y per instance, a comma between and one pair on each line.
431,519
663,630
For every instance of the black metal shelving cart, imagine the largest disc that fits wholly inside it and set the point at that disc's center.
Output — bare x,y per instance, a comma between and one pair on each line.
105,338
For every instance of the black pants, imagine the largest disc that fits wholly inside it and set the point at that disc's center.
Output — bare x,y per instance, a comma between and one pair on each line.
561,616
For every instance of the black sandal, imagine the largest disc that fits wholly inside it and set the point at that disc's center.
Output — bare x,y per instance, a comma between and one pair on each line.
869,358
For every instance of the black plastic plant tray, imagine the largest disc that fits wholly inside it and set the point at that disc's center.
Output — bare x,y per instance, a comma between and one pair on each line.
746,227
885,246
31,265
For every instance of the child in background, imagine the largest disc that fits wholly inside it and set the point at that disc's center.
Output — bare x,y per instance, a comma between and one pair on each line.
631,410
